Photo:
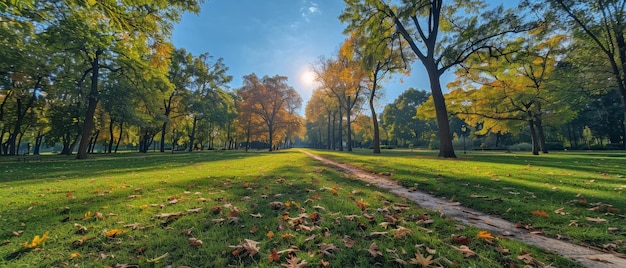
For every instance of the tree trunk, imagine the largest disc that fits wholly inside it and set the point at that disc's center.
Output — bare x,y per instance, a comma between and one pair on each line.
445,137
38,141
271,133
340,130
91,107
119,139
328,133
376,141
348,120
541,135
111,138
193,133
533,137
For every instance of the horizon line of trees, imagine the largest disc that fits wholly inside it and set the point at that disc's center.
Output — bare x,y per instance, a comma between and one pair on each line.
81,74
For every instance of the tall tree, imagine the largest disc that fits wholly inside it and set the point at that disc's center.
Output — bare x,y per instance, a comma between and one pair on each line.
440,36
111,30
602,21
272,100
400,120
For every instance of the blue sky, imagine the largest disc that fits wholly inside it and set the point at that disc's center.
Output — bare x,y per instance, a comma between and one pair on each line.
275,37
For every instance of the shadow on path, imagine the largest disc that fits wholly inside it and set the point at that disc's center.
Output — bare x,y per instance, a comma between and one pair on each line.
586,256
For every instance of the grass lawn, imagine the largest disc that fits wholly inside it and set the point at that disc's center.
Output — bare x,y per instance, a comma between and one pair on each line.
243,209
576,196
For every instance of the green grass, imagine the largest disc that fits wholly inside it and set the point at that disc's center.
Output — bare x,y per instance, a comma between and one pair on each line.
160,201
586,185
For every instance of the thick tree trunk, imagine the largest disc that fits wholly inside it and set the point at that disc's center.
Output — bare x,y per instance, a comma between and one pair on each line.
445,137
541,135
271,133
91,107
38,141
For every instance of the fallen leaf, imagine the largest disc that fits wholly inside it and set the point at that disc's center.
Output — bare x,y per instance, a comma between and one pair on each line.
258,215
540,213
560,211
597,219
37,241
74,255
485,235
270,234
461,239
419,259
467,252
328,249
598,259
195,242
274,255
113,233
348,242
294,263
374,251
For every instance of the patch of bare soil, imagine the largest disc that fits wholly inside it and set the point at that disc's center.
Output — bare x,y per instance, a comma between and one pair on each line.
588,257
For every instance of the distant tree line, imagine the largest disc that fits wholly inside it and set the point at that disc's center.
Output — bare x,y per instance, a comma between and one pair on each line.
81,75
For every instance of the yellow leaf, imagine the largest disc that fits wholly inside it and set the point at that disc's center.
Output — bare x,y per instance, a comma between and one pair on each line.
270,234
485,235
74,255
114,232
37,241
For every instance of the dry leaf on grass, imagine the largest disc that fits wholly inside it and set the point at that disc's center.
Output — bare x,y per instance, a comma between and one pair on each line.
540,213
597,219
328,249
374,251
294,263
348,242
467,252
419,259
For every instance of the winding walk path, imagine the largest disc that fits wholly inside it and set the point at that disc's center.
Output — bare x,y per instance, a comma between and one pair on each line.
586,256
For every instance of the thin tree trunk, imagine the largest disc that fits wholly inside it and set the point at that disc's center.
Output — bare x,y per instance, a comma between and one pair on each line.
376,141
119,139
533,137
38,141
348,119
193,133
88,124
340,130
541,135
111,138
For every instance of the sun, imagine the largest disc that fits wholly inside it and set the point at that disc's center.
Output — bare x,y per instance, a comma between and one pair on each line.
308,78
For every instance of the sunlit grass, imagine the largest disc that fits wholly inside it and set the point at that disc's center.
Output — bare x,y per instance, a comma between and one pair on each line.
512,185
154,204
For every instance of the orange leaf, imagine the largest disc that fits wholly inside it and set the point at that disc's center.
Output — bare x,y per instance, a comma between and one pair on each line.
274,255
114,232
270,234
485,235
540,213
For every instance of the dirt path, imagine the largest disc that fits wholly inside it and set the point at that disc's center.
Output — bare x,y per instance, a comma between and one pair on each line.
586,256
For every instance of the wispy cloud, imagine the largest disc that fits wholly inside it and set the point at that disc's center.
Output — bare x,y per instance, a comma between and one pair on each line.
309,9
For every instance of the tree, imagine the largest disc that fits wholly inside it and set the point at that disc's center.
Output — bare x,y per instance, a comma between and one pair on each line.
400,120
513,87
132,34
604,23
440,36
272,100
343,78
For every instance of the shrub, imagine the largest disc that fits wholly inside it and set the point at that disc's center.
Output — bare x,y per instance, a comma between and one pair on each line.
526,147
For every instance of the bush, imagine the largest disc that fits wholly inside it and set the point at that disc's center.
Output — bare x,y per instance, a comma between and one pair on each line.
522,147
